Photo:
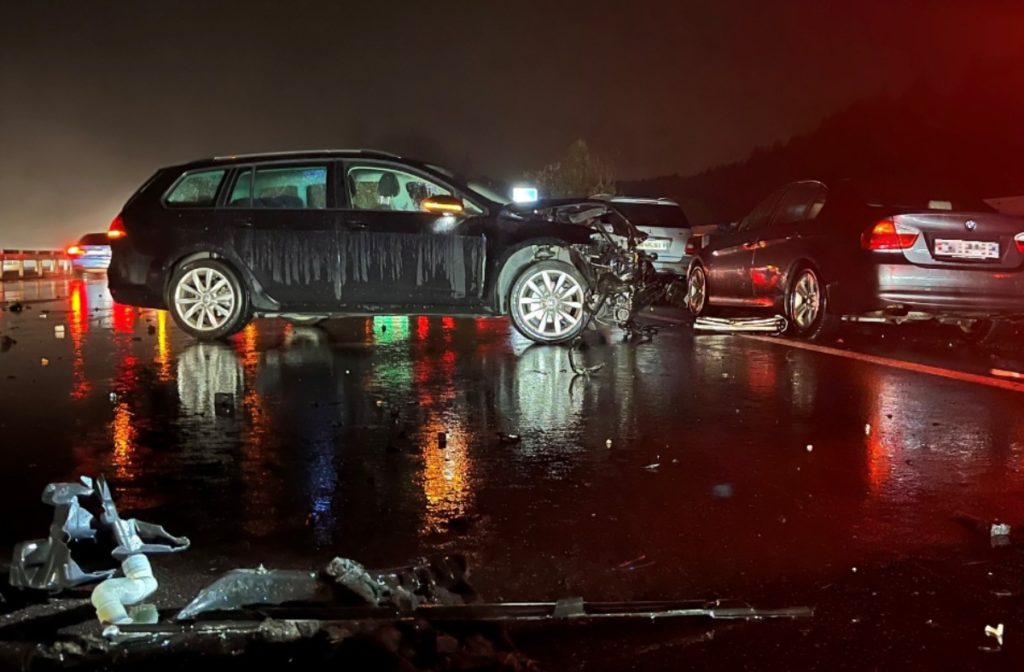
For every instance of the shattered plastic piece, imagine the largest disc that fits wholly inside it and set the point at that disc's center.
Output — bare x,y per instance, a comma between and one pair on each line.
135,536
113,397
243,587
44,362
354,577
653,467
810,448
772,325
112,596
58,331
996,632
607,443
867,430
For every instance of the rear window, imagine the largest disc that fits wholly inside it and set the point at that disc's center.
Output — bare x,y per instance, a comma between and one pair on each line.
196,189
665,215
94,239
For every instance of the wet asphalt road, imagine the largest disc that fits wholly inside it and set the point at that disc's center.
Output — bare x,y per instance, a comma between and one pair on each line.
737,467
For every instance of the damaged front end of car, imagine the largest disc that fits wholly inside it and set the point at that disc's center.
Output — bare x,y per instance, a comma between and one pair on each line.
622,277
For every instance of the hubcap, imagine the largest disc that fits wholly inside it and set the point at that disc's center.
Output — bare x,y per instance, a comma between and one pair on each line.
697,293
550,303
204,299
806,300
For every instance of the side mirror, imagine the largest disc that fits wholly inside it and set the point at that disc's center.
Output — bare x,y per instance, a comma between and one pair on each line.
443,205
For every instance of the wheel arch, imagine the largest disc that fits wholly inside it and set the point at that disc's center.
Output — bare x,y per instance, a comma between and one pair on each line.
516,260
258,297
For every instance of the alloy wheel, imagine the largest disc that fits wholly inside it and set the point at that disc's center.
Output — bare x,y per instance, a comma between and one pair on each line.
806,300
550,303
204,299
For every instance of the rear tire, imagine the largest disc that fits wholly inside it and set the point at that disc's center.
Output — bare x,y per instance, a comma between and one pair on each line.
207,299
807,309
548,302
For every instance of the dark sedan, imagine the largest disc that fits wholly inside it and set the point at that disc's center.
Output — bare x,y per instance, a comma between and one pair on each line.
312,235
819,253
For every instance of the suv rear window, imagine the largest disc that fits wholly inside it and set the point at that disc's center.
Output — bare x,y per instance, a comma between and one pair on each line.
196,189
665,215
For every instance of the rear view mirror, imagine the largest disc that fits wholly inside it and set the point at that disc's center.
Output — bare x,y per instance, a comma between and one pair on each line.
443,205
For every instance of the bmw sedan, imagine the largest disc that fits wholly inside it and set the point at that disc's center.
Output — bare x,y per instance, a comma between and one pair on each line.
820,253
312,235
91,254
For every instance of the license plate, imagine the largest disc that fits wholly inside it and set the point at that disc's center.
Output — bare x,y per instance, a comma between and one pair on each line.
655,244
966,249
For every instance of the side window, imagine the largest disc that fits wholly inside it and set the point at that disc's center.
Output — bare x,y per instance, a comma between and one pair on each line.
293,187
758,217
800,203
383,188
197,189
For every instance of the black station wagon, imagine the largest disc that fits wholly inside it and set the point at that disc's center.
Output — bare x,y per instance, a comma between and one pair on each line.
313,235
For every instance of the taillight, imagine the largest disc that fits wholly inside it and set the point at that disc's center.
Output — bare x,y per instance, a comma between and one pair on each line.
887,235
116,229
1019,239
691,247
75,251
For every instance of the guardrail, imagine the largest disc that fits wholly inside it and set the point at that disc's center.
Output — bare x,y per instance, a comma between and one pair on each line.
40,262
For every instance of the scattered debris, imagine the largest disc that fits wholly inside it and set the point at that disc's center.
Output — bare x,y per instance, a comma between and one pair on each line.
996,632
16,307
223,404
999,534
43,314
653,467
607,443
771,325
867,430
509,438
6,343
722,490
113,397
44,362
578,368
58,330
47,564
810,448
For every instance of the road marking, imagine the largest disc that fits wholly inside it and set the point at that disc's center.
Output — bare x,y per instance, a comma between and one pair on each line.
894,363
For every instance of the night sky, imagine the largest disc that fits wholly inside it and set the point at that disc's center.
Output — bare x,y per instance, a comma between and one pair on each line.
94,96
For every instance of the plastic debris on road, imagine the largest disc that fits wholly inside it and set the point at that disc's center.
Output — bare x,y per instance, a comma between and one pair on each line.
770,325
996,632
58,330
999,534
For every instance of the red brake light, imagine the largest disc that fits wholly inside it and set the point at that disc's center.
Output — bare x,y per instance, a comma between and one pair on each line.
1019,239
75,251
116,229
692,247
887,236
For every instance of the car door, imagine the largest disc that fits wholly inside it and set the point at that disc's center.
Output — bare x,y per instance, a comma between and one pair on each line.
286,231
731,256
783,240
395,253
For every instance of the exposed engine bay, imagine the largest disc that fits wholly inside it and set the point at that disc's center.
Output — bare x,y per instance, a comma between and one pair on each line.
622,277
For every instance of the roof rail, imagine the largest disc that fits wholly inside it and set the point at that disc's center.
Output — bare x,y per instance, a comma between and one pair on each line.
263,155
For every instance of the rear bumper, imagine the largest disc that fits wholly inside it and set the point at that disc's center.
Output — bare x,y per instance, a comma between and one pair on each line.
86,264
133,281
679,267
941,291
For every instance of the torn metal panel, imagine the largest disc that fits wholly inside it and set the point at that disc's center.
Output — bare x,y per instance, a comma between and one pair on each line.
771,325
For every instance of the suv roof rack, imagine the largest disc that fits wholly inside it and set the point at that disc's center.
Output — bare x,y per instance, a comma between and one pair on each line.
262,155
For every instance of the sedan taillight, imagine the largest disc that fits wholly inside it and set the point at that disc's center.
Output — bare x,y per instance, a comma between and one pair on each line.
75,251
692,247
116,230
1019,239
887,235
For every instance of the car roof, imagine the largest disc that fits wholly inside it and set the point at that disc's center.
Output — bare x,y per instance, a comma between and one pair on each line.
231,159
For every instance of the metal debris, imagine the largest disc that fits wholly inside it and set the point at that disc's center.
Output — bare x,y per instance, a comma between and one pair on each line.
771,325
247,587
47,564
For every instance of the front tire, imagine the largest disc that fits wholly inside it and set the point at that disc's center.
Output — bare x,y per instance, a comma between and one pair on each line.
548,302
807,308
207,300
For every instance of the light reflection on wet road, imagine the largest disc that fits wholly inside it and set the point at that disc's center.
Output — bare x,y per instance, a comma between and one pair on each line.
292,441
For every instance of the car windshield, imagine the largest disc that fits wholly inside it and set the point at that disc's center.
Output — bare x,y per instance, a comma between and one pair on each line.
476,187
